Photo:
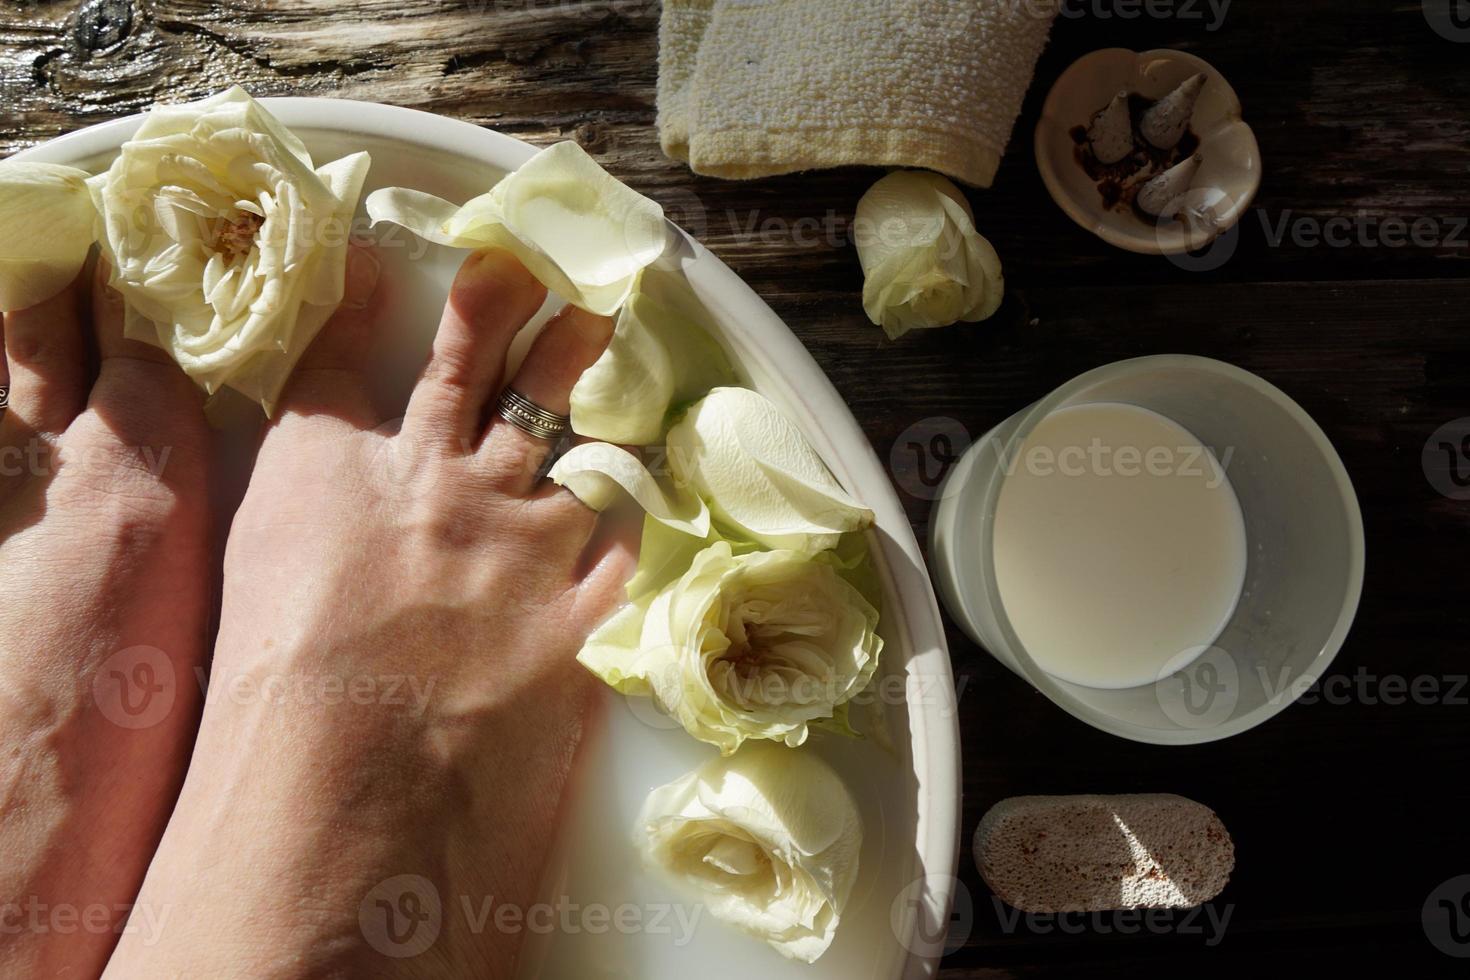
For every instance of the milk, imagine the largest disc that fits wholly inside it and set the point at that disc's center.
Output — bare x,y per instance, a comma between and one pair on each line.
1119,546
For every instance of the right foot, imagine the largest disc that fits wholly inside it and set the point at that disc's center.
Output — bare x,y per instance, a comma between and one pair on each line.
416,599
105,588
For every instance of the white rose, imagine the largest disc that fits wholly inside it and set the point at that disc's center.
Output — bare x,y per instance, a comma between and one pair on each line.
47,227
769,839
579,230
753,646
227,244
924,263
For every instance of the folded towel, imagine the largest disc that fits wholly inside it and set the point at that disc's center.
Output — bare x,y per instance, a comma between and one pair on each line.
749,88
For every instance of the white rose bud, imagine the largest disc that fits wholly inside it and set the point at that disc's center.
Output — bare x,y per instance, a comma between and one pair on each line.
924,263
768,839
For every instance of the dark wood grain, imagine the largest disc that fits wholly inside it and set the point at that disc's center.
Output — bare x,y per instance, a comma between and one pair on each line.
1345,815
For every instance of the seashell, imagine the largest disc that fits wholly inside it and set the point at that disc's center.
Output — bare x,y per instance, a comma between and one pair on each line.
1111,132
1158,195
1164,123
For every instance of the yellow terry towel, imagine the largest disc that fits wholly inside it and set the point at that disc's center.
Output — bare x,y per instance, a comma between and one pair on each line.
749,88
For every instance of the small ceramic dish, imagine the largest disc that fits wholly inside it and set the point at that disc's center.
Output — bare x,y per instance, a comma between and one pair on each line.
1230,161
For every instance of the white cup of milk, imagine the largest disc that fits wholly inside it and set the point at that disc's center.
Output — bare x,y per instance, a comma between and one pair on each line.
1168,547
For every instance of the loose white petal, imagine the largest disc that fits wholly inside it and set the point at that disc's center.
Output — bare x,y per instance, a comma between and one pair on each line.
579,230
660,358
423,214
47,226
625,396
599,474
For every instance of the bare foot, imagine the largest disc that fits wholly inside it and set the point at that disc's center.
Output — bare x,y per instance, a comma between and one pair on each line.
395,704
105,587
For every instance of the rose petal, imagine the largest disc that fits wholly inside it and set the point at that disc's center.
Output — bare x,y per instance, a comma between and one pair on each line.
758,473
585,235
660,358
47,226
599,473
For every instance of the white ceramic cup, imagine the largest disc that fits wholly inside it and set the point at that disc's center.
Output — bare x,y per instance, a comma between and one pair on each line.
1304,541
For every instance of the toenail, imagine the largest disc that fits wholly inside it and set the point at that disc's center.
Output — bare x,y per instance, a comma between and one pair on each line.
362,278
502,267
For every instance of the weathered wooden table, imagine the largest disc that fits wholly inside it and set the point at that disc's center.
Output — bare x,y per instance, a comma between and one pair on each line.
1347,288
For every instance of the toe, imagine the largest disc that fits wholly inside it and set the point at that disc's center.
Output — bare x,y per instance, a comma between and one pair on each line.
140,391
331,377
608,562
492,299
46,355
571,343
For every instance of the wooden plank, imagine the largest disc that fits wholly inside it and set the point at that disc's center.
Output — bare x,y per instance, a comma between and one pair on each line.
1325,111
